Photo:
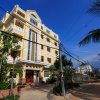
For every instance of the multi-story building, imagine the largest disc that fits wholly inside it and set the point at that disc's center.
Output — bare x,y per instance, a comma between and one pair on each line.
34,59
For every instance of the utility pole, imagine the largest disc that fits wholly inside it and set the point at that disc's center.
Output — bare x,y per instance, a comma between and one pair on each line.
61,71
80,68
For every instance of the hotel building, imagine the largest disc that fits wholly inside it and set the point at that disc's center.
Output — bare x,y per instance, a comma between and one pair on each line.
34,59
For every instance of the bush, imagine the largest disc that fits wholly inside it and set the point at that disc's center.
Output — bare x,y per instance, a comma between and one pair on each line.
50,80
4,85
57,90
11,98
19,84
24,83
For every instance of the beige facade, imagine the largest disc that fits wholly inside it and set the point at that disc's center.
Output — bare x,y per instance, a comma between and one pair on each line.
34,58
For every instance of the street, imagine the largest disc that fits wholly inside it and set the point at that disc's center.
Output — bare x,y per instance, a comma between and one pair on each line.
87,92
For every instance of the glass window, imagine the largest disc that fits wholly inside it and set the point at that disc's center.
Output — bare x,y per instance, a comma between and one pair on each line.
56,52
48,31
42,36
55,43
11,73
55,36
48,49
46,73
33,15
42,47
42,58
33,22
49,60
48,40
42,27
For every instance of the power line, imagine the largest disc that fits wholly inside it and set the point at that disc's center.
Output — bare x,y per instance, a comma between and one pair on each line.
28,40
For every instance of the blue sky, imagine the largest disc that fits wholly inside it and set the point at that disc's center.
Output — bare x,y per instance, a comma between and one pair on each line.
69,19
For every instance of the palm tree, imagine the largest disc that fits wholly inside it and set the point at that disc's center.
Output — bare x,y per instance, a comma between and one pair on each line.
93,36
14,54
95,8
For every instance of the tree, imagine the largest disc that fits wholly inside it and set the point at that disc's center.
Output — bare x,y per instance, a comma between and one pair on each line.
66,65
93,35
8,46
95,8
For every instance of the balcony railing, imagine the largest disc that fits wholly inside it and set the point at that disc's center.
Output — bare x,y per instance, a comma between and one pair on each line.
16,28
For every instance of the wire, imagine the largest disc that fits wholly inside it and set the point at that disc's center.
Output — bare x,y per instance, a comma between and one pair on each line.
28,40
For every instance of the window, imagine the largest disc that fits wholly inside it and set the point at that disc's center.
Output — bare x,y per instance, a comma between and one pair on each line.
55,36
46,73
48,49
55,43
11,73
48,40
42,36
42,58
33,15
49,60
33,22
48,31
42,47
42,27
56,52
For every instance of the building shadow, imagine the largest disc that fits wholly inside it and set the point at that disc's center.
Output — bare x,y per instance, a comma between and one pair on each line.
88,92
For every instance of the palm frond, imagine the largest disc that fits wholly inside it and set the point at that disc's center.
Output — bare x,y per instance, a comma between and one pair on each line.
93,36
95,8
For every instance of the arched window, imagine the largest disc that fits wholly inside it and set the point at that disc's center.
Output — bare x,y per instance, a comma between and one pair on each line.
33,15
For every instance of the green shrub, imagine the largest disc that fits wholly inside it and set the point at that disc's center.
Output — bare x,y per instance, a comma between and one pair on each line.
57,89
50,80
19,84
11,98
24,83
4,85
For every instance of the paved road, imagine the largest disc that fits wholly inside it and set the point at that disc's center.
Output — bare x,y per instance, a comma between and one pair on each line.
87,92
39,93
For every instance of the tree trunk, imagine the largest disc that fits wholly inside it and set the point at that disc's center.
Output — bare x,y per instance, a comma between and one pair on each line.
12,81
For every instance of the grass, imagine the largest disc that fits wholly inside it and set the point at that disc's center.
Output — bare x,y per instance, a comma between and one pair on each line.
11,97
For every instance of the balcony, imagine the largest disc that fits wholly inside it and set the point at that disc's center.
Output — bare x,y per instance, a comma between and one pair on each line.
19,29
16,29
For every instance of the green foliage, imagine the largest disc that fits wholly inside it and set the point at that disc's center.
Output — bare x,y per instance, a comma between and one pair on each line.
16,97
6,85
93,36
4,70
50,80
6,41
68,73
24,83
19,84
19,71
57,89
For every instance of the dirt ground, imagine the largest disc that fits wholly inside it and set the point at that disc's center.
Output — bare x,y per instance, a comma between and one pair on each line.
86,92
